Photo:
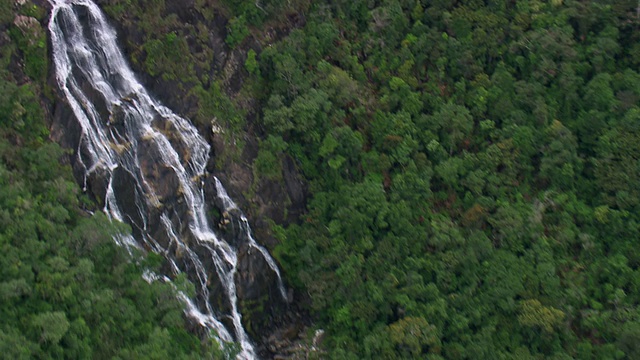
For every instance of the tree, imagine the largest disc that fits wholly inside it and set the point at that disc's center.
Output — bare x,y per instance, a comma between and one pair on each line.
237,31
533,313
51,325
616,167
453,123
414,337
15,346
251,64
560,163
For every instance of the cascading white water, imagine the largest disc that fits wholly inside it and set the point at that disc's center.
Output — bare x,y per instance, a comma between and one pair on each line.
147,155
228,204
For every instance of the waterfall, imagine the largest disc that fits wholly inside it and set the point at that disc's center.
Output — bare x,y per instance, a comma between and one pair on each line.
151,163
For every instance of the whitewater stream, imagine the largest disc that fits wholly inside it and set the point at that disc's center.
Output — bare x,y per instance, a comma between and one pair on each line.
151,163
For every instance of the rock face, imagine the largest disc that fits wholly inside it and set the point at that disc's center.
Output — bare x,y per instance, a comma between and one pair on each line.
205,38
27,23
264,309
203,26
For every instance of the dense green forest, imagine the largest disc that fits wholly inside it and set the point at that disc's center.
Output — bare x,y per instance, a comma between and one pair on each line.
474,176
472,167
67,291
474,170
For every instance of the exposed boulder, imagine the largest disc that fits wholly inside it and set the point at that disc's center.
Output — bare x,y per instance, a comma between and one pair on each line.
260,300
27,24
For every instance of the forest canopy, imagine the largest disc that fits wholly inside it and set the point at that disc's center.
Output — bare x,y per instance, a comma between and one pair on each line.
473,173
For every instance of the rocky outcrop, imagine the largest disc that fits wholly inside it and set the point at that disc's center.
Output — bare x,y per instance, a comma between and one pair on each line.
263,308
204,27
27,24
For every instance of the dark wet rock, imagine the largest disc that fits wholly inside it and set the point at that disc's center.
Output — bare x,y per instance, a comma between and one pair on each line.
254,276
126,198
295,187
294,340
97,183
66,131
259,298
160,177
168,129
264,310
281,200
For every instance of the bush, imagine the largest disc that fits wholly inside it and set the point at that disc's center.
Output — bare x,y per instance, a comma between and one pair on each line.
237,31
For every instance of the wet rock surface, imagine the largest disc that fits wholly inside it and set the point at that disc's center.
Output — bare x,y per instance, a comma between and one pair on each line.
263,308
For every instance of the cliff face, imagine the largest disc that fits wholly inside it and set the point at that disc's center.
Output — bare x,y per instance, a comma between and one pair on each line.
180,52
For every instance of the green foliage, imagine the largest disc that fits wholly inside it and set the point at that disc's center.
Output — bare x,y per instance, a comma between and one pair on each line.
412,336
6,14
267,164
471,167
472,171
237,31
165,57
31,41
258,12
251,64
533,313
51,325
61,273
20,110
215,106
